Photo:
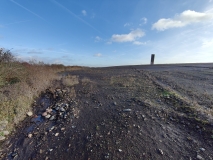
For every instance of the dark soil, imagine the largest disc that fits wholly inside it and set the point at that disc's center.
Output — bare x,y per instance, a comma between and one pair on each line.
133,112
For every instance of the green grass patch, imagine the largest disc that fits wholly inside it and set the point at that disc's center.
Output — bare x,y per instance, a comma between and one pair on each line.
166,93
1,134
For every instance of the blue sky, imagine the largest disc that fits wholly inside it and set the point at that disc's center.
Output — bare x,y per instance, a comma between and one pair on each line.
108,32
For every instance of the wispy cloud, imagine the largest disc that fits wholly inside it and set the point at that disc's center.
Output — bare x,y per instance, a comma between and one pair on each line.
27,9
74,15
98,55
139,43
127,24
34,52
130,37
98,39
143,21
185,18
84,12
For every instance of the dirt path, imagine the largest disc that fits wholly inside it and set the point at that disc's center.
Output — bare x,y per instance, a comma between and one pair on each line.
116,113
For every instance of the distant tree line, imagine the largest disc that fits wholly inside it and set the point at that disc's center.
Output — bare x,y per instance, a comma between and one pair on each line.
7,56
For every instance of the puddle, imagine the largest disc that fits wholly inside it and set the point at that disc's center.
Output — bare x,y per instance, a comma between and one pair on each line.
37,119
30,129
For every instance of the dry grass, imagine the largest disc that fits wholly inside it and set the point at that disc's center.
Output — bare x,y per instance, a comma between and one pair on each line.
20,84
70,80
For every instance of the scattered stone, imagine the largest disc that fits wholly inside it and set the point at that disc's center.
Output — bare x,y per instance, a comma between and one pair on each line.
51,128
65,116
127,110
44,114
30,135
120,150
52,118
29,114
14,154
199,157
160,151
2,138
57,89
56,134
6,133
64,91
62,109
106,156
48,116
171,119
48,110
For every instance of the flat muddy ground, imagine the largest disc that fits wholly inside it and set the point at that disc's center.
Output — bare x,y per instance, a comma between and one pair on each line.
131,112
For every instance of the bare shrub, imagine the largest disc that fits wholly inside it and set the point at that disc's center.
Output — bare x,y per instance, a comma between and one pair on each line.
6,56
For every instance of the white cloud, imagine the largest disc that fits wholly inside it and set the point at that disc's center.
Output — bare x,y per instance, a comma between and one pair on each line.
139,43
98,55
143,20
127,24
84,12
130,37
98,39
191,45
185,18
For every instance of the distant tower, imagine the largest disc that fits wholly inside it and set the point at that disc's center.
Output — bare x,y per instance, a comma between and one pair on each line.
152,59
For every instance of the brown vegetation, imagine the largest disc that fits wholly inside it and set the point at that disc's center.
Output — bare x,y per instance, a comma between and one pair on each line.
20,84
